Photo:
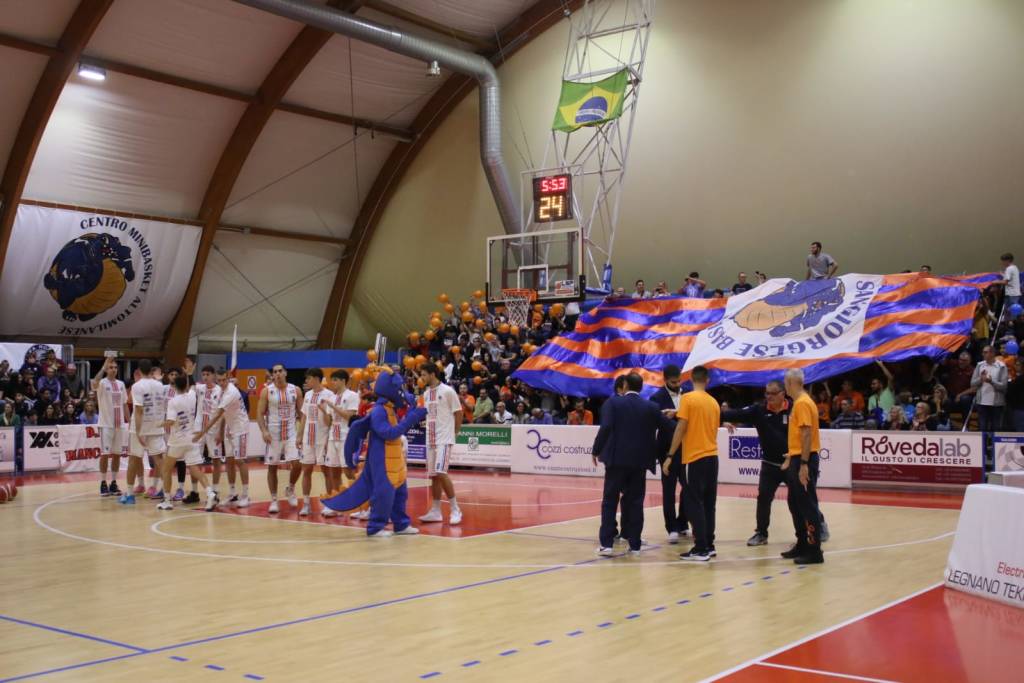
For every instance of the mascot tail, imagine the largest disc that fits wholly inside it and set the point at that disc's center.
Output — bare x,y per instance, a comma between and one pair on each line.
359,493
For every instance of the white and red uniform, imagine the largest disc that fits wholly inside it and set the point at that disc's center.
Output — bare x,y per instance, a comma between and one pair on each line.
149,396
112,397
441,403
207,399
236,423
346,400
315,427
182,409
281,422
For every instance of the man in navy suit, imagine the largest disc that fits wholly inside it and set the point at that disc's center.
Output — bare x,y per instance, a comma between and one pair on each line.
667,398
627,443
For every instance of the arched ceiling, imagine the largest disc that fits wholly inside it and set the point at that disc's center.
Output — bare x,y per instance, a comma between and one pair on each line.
226,117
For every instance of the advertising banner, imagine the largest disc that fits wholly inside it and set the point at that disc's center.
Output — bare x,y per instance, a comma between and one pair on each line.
483,446
7,449
79,448
40,448
740,457
1009,450
933,458
987,557
15,353
554,449
79,274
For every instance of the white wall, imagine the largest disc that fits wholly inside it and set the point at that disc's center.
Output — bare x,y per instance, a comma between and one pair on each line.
890,130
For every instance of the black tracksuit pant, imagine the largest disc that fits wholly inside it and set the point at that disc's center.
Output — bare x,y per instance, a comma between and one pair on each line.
670,484
803,502
700,494
627,485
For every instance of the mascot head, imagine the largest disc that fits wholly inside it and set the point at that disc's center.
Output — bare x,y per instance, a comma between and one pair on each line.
390,386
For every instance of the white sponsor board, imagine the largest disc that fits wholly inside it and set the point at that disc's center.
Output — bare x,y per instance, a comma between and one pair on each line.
987,557
930,458
7,449
15,354
557,449
79,448
740,457
81,274
40,448
483,446
1009,452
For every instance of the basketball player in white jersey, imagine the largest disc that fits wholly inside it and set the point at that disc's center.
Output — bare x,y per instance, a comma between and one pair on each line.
314,425
236,434
444,420
180,417
112,397
276,414
208,397
149,410
344,407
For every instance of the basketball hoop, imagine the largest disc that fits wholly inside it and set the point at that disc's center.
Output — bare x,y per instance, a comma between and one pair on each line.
517,304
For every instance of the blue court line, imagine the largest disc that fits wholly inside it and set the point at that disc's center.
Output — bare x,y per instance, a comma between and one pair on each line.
214,667
506,653
76,634
574,634
179,659
542,642
431,674
632,616
253,677
472,663
605,624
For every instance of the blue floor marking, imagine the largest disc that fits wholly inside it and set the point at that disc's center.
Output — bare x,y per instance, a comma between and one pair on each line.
727,589
506,653
179,659
683,602
253,677
632,616
214,667
605,624
659,609
431,674
542,642
706,595
574,634
748,583
472,663
76,634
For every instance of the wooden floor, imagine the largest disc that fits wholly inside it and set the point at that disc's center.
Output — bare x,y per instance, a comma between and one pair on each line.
95,591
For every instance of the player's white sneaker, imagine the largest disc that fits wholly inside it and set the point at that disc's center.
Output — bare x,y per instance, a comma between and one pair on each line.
304,512
383,533
243,502
673,538
456,517
606,552
408,531
273,507
328,512
165,505
211,503
289,492
433,516
362,514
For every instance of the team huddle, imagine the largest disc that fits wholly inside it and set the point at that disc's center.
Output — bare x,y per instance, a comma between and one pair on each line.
177,424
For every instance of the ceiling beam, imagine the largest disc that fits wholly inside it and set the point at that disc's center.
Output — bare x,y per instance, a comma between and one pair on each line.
79,30
144,73
538,18
223,227
289,66
478,43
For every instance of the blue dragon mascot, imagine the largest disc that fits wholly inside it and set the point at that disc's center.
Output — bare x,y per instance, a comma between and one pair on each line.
382,480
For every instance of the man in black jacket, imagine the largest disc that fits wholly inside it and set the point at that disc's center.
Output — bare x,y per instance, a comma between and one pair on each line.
667,398
627,443
771,420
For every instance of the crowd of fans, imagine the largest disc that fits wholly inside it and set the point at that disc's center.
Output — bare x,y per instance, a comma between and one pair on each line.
45,391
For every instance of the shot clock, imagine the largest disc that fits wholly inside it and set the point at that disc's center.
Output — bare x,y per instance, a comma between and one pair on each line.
552,198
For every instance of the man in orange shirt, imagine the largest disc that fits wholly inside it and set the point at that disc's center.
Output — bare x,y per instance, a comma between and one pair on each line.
847,391
801,466
468,404
580,415
697,430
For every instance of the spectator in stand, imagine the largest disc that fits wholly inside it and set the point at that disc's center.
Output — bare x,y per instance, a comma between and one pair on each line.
941,406
50,360
50,416
1015,398
500,416
661,291
761,277
925,382
741,284
882,397
848,392
694,286
521,415
67,415
31,419
718,294
539,416
10,418
820,266
44,399
620,293
896,420
483,408
22,405
925,270
923,420
905,400
990,382
958,382
1011,280
849,417
981,330
30,364
823,399
641,291
579,414
89,415
5,377
49,381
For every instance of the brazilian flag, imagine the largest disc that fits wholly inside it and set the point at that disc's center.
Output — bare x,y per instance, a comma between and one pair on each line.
588,104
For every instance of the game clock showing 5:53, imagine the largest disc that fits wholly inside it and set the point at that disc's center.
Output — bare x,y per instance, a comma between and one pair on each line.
552,198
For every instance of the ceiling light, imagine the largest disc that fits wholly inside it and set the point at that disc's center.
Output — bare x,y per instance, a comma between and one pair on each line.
91,72
433,69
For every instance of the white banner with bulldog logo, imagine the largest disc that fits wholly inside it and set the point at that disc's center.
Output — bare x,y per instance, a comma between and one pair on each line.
79,274
788,321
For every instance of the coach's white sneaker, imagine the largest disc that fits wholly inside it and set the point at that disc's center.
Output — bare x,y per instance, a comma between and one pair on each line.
408,531
304,512
383,533
243,502
165,505
433,516
273,507
456,517
673,538
289,492
605,552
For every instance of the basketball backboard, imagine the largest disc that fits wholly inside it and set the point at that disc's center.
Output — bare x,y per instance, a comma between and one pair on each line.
547,261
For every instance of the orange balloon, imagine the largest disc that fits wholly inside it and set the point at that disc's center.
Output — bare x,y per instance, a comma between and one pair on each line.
429,335
477,366
439,364
356,376
409,362
478,294
436,323
478,380
489,336
443,298
371,356
464,306
482,306
527,348
449,308
500,310
481,323
514,330
456,350
435,314
557,310
539,308
504,328
414,338
420,360
468,317
420,383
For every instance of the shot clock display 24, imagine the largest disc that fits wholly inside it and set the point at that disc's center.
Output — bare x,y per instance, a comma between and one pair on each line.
552,198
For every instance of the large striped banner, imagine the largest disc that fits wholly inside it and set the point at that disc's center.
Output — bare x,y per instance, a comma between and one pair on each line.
826,327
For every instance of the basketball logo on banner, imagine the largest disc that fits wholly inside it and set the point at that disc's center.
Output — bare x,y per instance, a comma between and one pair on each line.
251,382
89,275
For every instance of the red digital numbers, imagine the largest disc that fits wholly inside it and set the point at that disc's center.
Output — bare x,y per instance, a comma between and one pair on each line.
552,198
553,184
